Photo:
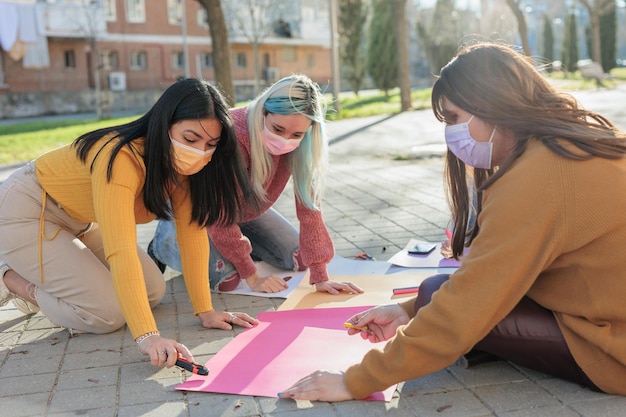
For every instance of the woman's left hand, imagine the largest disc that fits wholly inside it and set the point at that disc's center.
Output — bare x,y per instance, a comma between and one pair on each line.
335,288
225,320
319,386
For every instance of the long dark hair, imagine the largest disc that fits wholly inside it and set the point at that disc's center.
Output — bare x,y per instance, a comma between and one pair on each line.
213,189
502,87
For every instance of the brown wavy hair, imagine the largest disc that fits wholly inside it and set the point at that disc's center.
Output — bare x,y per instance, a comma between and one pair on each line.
503,87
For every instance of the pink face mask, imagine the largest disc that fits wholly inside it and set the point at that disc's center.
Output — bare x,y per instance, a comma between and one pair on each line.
278,145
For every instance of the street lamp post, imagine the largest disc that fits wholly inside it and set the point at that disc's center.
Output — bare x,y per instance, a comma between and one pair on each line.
334,40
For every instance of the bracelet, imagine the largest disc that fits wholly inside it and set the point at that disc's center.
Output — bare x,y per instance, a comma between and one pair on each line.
147,335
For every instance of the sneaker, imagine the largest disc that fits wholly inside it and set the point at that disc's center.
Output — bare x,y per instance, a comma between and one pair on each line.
5,294
158,263
24,306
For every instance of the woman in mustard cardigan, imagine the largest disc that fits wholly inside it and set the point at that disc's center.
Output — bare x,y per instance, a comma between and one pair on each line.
544,282
68,241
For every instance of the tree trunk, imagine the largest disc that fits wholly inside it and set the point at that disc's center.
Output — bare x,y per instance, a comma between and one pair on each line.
403,56
595,10
221,49
257,68
521,25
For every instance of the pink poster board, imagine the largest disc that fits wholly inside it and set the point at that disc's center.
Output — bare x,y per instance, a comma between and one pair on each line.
284,347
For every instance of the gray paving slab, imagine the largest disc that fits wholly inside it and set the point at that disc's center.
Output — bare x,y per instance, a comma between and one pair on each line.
384,187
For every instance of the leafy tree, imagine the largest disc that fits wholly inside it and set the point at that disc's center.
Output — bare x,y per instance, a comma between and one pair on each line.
352,18
569,52
548,42
597,8
382,56
439,40
608,38
221,49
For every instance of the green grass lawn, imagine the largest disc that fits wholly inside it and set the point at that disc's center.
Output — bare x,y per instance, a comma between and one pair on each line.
23,141
574,81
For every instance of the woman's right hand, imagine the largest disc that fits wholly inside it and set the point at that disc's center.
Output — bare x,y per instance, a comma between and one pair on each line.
446,249
164,351
379,323
269,284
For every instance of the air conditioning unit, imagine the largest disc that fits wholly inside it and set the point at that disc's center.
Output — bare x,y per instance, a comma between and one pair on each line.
271,74
117,81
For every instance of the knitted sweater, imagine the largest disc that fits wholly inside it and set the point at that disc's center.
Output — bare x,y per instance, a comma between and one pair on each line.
117,207
316,245
551,228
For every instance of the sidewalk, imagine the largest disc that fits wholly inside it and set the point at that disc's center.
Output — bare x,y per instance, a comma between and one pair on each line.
385,187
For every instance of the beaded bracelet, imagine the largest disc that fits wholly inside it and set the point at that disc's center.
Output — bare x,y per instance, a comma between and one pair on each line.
147,335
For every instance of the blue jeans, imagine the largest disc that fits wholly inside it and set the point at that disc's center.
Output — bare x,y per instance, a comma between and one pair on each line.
273,238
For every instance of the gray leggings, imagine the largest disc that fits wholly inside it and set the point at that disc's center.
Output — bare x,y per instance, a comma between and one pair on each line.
77,291
529,336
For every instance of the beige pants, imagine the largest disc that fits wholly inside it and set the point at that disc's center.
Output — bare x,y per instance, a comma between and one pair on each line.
77,290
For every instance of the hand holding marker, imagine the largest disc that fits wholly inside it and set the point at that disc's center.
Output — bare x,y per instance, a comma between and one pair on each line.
194,368
349,325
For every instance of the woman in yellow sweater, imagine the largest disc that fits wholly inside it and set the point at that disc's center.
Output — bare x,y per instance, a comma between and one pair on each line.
544,282
68,219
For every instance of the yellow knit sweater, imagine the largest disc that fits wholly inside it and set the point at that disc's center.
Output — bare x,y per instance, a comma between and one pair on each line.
551,228
117,207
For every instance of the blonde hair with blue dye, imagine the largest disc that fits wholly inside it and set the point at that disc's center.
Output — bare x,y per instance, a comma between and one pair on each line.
292,95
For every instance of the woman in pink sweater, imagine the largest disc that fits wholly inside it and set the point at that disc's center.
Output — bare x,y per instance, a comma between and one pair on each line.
281,137
544,282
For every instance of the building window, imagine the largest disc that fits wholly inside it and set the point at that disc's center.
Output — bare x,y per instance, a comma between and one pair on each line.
310,60
70,59
108,60
174,12
206,60
202,18
289,54
138,60
240,60
178,60
135,11
110,12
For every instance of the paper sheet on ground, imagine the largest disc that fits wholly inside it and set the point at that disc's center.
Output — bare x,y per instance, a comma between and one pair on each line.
378,289
284,347
264,269
338,265
433,260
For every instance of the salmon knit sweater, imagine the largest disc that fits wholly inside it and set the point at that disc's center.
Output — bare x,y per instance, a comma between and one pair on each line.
316,246
551,228
117,207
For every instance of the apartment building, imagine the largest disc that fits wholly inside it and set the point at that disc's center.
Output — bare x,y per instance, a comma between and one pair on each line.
66,56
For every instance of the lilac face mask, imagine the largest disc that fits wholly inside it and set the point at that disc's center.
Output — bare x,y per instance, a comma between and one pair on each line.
466,148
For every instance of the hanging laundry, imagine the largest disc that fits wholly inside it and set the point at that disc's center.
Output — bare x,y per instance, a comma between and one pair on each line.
8,25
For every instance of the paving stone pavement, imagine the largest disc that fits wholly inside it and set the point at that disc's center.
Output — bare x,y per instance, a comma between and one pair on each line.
385,186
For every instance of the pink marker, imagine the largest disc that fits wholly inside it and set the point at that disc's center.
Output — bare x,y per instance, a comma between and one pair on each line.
449,234
405,290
